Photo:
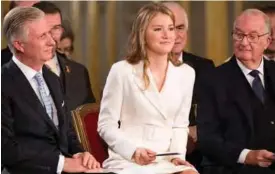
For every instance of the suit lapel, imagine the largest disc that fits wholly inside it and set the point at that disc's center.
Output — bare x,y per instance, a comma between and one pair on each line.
151,93
65,71
56,93
30,96
269,75
240,91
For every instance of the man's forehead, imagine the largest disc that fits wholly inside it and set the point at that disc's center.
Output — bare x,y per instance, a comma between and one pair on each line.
25,3
38,26
250,20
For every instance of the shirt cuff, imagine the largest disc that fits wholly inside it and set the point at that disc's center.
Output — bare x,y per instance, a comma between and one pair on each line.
60,164
243,155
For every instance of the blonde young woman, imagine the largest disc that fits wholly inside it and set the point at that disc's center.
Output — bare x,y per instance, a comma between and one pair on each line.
150,94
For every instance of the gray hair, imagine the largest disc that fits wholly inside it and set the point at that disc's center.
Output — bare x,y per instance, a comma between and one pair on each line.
176,4
14,24
256,12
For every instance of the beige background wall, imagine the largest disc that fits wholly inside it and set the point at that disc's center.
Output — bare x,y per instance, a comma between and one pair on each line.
102,29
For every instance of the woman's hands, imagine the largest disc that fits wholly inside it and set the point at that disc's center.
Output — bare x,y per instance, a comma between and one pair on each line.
143,156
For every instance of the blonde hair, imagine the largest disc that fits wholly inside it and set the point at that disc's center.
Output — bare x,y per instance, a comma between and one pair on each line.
136,50
14,23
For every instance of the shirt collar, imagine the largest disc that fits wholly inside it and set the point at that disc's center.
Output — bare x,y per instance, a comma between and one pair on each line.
246,70
180,57
27,71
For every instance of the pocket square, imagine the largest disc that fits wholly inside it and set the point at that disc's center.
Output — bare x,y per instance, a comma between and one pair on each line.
63,103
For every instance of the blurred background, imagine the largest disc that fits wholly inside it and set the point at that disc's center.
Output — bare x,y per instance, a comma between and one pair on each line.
101,30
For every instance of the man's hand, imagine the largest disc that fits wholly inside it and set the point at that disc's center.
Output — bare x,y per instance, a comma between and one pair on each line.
88,160
189,172
262,158
193,133
73,166
178,161
144,156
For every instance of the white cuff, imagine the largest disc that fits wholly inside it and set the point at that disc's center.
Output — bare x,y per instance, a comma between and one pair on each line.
60,164
243,155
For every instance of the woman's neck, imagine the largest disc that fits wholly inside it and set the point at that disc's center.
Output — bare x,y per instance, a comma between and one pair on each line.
158,62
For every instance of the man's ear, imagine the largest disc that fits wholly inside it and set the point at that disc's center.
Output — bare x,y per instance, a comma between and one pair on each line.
19,46
269,39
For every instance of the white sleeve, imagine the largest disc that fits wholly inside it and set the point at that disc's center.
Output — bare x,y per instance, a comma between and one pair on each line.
110,112
243,155
60,164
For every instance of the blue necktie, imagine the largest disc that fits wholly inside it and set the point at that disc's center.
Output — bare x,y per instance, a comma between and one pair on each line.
257,85
46,100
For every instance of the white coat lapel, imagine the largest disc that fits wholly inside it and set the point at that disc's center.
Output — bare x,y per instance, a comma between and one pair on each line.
151,92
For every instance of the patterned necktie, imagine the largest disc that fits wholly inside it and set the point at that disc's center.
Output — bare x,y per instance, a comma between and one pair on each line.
257,85
46,100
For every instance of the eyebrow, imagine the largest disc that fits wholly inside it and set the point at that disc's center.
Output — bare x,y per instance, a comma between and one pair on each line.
161,25
180,25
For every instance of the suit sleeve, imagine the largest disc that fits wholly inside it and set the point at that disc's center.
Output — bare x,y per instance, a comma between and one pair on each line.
16,154
210,126
110,111
74,144
181,121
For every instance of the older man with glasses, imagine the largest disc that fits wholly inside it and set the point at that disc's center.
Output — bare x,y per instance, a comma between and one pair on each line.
236,120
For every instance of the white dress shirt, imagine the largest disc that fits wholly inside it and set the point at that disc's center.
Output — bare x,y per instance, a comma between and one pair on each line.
29,73
54,65
250,79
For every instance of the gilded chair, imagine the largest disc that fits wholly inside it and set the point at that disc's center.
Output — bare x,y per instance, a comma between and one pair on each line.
85,119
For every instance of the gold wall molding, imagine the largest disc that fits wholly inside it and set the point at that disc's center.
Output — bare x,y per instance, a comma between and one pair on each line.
216,16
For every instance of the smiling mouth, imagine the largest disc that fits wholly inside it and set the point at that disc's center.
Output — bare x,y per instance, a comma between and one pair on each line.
165,43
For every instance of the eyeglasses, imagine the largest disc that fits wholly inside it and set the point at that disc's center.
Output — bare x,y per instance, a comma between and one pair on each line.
252,37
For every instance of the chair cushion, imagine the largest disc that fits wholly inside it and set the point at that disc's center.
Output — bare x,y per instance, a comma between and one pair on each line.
98,146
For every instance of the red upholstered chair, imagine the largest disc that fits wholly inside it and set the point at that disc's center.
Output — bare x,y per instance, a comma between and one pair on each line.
85,122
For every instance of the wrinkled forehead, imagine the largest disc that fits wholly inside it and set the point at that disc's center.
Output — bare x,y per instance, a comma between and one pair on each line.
250,23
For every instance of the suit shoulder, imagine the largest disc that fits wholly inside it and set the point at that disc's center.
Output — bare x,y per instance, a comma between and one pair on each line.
197,58
73,64
271,62
5,69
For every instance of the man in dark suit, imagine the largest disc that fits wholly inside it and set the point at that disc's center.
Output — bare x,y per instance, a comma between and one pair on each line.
200,65
236,120
6,54
37,135
74,76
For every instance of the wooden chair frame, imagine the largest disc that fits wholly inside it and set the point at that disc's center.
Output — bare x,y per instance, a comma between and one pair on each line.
78,116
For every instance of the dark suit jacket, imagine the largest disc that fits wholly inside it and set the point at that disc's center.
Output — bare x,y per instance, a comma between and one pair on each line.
201,66
6,56
225,117
74,79
75,83
30,141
